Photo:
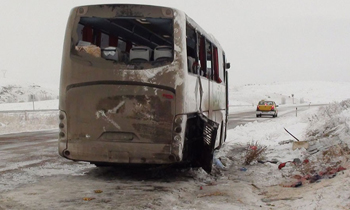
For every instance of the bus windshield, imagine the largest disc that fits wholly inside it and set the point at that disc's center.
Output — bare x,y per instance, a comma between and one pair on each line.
130,42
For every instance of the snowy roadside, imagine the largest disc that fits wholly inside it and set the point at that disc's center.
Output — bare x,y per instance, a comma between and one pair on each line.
28,121
17,122
259,183
323,182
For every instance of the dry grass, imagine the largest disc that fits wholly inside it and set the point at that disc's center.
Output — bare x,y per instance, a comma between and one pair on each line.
331,158
254,152
334,152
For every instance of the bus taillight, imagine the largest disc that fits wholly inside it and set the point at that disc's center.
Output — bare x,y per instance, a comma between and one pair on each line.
62,136
62,125
168,96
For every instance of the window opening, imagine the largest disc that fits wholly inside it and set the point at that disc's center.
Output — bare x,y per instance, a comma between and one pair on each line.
209,60
114,39
217,76
191,49
202,57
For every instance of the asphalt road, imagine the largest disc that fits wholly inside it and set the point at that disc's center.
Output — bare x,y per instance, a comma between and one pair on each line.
34,176
241,118
32,139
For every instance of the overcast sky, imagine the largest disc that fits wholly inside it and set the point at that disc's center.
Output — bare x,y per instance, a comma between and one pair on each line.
265,40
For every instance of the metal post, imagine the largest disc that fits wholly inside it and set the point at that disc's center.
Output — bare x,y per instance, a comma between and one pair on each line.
4,72
32,96
296,111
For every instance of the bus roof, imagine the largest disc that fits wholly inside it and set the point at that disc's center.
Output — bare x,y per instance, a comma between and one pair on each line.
210,37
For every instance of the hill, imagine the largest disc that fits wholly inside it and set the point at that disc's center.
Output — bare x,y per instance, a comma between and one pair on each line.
16,92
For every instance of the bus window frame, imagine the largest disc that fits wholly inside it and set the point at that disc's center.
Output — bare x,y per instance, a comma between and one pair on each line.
194,68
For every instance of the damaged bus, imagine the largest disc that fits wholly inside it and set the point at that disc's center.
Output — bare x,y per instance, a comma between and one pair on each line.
141,84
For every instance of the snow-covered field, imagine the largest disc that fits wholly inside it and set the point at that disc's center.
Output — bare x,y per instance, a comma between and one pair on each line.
314,92
327,129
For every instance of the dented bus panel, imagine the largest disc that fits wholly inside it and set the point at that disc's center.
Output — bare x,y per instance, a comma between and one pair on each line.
126,92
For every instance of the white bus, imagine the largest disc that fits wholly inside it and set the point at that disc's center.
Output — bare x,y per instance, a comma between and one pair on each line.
141,84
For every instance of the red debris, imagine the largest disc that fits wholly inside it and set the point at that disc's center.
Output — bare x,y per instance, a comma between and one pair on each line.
281,166
253,147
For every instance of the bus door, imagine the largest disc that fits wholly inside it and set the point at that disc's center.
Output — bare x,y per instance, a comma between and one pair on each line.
207,124
204,77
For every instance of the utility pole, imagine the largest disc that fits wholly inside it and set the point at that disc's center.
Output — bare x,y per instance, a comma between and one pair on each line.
33,97
3,72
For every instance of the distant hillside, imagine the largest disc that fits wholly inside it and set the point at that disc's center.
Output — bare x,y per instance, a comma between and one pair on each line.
299,92
14,92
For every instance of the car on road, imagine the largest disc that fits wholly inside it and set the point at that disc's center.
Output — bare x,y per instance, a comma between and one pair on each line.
266,108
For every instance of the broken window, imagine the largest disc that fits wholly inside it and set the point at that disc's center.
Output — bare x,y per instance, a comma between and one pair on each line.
191,48
202,56
137,43
218,75
209,60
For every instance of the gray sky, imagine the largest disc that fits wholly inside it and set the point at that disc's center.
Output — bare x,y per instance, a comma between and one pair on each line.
265,40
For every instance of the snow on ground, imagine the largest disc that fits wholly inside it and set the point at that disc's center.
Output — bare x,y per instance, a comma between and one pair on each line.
326,129
246,97
18,96
314,92
12,91
36,105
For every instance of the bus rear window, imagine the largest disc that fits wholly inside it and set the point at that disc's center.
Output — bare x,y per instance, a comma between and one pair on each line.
136,43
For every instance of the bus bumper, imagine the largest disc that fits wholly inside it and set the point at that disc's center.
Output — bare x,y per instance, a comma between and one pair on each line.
120,152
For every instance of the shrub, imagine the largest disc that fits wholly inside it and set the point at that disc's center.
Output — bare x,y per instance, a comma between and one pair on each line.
254,151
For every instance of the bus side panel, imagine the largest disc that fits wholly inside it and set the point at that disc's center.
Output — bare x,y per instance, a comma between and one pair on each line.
218,100
218,104
192,101
66,64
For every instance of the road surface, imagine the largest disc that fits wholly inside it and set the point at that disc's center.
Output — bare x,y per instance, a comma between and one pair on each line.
34,176
242,117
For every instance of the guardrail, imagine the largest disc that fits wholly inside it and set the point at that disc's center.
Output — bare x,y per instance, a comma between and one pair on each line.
241,105
26,111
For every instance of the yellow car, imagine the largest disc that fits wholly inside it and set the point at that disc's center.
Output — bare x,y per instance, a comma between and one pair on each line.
266,108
